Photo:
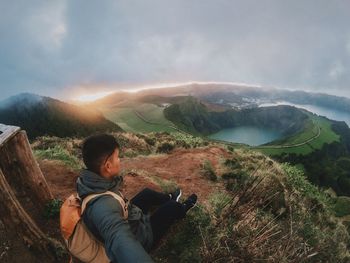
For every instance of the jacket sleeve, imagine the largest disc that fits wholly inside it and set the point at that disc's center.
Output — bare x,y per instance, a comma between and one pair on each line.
121,245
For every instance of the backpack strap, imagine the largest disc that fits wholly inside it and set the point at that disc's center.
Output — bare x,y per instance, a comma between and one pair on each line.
121,201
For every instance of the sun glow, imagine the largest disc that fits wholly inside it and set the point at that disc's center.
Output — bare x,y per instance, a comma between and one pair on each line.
84,95
93,96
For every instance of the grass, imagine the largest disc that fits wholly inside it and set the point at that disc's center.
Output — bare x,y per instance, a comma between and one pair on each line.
327,135
245,226
139,118
217,202
298,181
208,170
185,241
342,206
167,186
58,153
153,113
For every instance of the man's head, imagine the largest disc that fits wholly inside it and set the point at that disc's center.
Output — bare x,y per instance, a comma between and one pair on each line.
101,155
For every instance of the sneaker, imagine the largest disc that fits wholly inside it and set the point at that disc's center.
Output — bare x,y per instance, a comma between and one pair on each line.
175,195
190,202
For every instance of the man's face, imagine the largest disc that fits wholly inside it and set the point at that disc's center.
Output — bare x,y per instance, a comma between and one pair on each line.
111,166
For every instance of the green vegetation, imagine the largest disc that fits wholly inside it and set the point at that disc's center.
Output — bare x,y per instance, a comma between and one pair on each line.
342,206
326,166
185,242
141,118
298,181
327,135
209,171
165,148
193,116
52,209
58,153
310,131
279,217
188,141
167,186
40,116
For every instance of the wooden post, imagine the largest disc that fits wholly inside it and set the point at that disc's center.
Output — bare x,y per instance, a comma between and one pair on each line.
23,192
22,172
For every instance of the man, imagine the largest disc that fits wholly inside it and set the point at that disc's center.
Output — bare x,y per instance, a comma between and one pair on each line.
124,240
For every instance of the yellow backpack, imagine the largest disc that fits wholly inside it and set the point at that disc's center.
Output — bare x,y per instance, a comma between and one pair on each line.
79,240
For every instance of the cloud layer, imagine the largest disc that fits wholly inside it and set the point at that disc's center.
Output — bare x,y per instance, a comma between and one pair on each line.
53,46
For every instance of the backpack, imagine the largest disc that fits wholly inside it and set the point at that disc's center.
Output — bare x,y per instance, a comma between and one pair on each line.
79,240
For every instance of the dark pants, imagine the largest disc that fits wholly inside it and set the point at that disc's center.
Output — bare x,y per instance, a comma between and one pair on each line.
167,213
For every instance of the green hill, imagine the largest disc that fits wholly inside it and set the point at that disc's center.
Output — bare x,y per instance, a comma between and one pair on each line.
194,116
317,132
139,117
328,164
46,116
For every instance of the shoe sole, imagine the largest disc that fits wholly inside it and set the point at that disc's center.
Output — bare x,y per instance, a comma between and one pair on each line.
191,207
178,197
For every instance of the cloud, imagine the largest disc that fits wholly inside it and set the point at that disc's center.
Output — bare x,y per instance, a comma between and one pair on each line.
337,70
51,46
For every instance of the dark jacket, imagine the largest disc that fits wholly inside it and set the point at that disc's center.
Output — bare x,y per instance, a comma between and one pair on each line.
124,240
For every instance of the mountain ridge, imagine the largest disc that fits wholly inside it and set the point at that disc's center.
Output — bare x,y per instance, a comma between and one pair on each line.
40,115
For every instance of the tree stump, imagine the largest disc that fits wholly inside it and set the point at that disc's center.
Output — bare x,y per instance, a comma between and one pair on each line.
24,193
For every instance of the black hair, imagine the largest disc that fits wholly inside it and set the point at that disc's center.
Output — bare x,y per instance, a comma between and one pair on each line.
96,149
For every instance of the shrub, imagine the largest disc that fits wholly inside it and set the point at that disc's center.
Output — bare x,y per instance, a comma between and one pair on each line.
233,163
217,202
187,141
150,141
52,209
165,147
342,206
344,163
230,148
129,153
236,180
208,170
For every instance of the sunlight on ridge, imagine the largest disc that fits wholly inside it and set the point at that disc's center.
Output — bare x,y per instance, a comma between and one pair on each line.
93,96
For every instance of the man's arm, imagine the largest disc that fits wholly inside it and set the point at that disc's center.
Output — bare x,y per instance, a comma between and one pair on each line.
120,243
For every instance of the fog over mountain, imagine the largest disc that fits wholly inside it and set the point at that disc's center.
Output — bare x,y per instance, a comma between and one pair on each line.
57,48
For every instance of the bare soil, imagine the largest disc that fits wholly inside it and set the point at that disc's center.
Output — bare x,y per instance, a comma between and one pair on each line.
182,166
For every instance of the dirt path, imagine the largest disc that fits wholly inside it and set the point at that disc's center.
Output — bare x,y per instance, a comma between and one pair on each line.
182,167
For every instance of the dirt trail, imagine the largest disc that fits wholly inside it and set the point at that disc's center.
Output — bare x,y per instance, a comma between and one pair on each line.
182,166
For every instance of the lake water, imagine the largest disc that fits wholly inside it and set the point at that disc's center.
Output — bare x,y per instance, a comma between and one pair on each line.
256,136
247,134
322,111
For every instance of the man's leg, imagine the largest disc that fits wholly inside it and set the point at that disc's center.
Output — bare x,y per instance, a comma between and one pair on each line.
164,217
167,214
148,198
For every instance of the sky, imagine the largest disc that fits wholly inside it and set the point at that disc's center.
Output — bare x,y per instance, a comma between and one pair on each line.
68,48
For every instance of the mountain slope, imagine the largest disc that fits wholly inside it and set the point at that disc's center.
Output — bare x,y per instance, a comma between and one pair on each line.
194,116
46,116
